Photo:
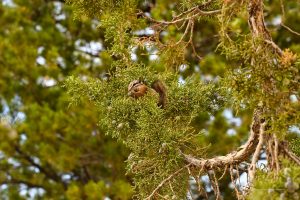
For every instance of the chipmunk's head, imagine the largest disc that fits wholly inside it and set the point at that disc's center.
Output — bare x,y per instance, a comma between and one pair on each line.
137,89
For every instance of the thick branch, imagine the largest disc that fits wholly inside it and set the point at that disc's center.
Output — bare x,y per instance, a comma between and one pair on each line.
50,174
256,19
235,157
257,24
14,181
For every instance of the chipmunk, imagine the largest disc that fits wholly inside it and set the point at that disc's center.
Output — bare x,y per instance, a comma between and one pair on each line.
138,88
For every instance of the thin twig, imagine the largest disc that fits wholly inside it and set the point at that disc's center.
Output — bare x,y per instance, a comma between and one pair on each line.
191,194
238,174
275,47
165,180
217,186
271,151
282,10
185,32
292,156
226,167
233,182
276,154
199,12
289,29
256,154
171,187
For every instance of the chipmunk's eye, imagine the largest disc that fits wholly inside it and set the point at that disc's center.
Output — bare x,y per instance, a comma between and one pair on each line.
136,89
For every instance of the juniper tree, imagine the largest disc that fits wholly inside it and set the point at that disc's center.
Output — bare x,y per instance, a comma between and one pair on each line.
258,78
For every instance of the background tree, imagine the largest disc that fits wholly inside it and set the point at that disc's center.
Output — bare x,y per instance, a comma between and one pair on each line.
50,150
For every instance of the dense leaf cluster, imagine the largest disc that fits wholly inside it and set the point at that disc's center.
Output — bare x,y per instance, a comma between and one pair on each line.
155,136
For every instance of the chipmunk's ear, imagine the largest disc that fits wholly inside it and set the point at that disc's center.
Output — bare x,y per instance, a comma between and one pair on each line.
141,80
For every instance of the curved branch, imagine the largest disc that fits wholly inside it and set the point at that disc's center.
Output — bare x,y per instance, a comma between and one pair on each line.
234,157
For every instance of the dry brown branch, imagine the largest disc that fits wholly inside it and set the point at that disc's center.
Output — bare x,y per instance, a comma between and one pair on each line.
275,47
276,152
201,190
185,32
238,173
218,196
256,19
181,17
225,170
291,155
213,183
235,157
270,150
233,182
256,154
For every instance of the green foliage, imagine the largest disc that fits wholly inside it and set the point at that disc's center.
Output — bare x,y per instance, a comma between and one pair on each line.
283,186
163,132
49,150
62,151
295,144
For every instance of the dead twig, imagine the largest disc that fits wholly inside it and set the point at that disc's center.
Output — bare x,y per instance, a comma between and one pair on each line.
289,29
256,154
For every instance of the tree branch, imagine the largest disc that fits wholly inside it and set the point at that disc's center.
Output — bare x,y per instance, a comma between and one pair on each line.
235,157
256,154
14,181
291,155
256,22
289,29
50,174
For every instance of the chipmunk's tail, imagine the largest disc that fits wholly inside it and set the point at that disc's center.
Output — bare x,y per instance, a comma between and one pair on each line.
160,88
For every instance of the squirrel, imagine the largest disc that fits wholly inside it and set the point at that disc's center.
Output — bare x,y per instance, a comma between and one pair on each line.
138,88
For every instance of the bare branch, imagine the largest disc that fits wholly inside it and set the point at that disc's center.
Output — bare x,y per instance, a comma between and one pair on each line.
276,152
214,182
235,157
289,29
275,47
233,182
291,155
225,170
256,154
177,19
